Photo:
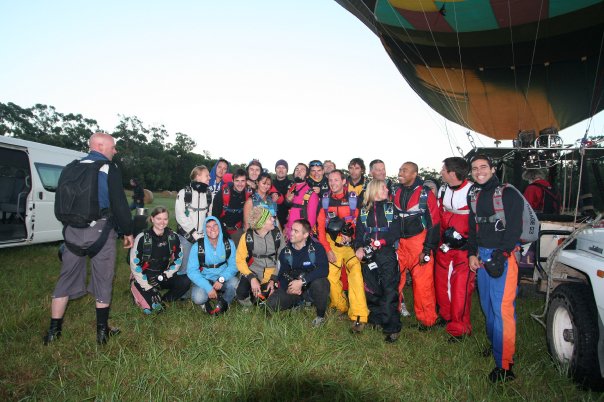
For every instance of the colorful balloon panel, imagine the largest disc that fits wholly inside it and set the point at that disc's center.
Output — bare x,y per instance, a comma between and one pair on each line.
496,67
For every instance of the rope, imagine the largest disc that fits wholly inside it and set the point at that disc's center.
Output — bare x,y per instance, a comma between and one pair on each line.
528,83
513,58
447,97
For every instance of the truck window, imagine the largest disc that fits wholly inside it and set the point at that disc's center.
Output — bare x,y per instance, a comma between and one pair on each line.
49,174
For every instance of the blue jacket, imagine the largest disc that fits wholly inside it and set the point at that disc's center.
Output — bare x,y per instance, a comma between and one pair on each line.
213,255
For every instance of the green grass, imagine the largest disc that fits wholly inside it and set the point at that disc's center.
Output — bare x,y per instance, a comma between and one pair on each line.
183,354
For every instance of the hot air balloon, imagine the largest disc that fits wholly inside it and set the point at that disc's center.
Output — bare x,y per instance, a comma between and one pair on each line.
497,67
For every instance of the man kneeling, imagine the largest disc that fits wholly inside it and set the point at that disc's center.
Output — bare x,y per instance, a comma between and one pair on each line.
302,274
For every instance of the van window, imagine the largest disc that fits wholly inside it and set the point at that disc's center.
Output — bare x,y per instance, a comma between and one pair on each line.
49,174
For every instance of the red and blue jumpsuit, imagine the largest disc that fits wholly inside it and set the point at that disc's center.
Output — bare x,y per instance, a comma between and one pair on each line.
497,295
453,280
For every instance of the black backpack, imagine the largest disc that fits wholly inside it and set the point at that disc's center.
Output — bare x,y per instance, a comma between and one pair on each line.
76,198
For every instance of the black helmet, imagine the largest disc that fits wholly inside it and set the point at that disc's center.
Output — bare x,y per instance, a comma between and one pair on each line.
215,307
335,225
454,239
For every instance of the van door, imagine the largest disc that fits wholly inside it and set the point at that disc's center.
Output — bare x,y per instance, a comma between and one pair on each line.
46,226
15,196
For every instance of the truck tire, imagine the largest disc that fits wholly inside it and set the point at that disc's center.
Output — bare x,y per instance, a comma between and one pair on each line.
572,333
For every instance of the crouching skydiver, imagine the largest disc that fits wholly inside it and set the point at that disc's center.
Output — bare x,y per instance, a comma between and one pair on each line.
257,256
154,262
302,273
214,271
377,230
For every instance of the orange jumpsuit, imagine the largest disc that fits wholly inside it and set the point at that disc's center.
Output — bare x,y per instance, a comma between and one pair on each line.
419,232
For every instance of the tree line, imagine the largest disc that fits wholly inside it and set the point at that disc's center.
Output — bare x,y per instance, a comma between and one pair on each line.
144,151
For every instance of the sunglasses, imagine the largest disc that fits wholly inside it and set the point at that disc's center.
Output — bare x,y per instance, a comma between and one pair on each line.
315,163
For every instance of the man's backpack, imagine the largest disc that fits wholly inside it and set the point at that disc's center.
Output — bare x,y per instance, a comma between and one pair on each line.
530,223
551,199
77,197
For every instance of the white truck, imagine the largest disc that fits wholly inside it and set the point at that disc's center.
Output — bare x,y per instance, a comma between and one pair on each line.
29,173
573,278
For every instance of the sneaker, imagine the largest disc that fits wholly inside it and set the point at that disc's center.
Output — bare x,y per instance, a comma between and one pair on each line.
391,338
357,327
318,321
247,302
404,311
500,375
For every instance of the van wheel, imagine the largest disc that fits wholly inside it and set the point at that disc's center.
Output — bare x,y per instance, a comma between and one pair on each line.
572,333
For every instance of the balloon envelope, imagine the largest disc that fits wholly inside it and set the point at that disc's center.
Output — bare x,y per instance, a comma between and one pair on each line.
498,66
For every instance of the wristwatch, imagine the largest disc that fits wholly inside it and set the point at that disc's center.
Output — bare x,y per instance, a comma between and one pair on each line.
221,279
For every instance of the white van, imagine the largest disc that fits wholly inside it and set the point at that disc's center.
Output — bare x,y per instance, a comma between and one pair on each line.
29,173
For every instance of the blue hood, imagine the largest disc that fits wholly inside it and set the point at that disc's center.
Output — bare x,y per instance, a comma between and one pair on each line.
206,242
213,173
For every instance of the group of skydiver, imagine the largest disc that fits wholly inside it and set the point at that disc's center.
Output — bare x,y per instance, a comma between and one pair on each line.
347,243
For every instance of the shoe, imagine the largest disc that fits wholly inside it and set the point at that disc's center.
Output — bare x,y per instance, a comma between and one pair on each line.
52,335
54,331
376,327
404,311
486,352
357,327
103,332
440,322
247,302
343,315
391,338
500,375
318,321
455,339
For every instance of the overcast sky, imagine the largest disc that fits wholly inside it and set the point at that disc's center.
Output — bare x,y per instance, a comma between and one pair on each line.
294,80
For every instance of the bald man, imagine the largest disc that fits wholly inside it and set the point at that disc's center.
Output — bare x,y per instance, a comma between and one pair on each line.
90,234
420,232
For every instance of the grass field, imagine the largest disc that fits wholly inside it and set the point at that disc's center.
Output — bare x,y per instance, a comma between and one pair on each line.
183,354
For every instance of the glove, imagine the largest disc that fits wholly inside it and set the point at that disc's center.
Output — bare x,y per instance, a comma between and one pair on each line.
152,280
496,264
155,297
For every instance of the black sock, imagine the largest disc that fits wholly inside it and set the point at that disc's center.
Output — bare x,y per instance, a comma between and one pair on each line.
56,323
102,315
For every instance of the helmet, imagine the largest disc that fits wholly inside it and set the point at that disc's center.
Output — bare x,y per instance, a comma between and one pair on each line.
215,307
335,225
454,239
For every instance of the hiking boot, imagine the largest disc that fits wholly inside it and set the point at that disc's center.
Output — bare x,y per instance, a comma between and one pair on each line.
391,338
103,332
54,331
357,327
318,322
500,375
404,311
51,336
